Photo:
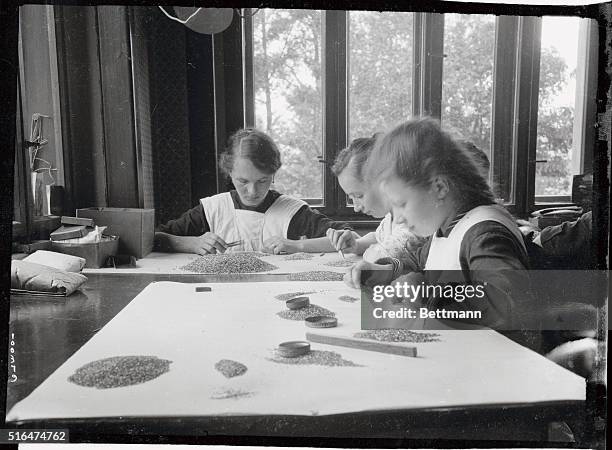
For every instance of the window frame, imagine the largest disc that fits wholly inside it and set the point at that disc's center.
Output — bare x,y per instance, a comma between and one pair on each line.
585,111
504,87
335,83
516,83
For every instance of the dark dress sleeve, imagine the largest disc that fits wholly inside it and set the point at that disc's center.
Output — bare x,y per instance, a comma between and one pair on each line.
191,223
566,246
490,246
491,256
312,224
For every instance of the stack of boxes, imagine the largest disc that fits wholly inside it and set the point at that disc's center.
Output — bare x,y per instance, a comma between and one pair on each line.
128,232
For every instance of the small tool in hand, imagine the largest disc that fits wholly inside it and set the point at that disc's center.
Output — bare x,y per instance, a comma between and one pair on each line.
233,244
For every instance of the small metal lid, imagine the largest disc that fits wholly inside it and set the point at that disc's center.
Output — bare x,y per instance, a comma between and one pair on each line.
298,302
293,349
321,322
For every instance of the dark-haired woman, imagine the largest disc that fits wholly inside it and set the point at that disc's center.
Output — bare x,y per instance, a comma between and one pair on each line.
259,218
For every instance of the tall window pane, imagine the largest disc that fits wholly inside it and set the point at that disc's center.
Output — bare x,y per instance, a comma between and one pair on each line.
380,70
467,77
557,95
288,102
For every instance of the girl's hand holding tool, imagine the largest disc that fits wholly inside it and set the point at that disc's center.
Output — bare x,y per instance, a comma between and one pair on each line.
370,274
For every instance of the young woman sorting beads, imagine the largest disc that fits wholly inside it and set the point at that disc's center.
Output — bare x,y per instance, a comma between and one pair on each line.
252,217
390,238
437,189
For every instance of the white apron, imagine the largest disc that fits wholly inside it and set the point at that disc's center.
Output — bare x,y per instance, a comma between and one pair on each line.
444,251
251,227
392,240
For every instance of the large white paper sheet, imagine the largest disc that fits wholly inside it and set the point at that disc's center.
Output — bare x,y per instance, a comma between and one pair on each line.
171,263
239,321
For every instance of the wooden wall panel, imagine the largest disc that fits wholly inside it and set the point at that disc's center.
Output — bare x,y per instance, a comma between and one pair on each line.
81,104
117,107
142,105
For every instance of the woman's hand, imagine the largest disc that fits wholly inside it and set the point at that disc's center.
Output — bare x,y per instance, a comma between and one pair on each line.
277,245
208,243
344,240
370,274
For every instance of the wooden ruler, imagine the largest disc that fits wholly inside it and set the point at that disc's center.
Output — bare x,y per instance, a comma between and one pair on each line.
393,348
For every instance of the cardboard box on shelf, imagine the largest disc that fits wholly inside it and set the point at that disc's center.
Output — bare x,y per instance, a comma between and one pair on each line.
67,220
94,253
134,226
69,232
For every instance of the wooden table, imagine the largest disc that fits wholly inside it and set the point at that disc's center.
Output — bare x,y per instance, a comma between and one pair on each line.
49,330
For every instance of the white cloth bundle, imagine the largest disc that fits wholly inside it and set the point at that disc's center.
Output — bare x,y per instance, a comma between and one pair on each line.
56,260
32,277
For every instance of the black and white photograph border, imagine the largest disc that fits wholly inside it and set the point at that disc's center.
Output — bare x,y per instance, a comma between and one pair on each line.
118,118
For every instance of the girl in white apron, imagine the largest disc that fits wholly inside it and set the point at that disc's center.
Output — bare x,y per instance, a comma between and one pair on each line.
390,239
436,189
252,217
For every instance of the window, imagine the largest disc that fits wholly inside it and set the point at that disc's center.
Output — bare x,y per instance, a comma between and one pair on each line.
288,99
556,98
380,54
508,84
467,77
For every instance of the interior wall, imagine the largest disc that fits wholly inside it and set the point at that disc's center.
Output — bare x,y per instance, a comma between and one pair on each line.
94,72
81,98
118,107
171,159
38,68
138,92
184,112
163,109
201,101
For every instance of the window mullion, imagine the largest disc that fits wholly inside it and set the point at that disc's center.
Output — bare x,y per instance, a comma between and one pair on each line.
334,86
434,46
417,62
526,112
506,34
247,68
584,133
429,54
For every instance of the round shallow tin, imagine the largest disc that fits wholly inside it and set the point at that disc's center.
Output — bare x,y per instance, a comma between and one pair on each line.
321,322
298,303
293,349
